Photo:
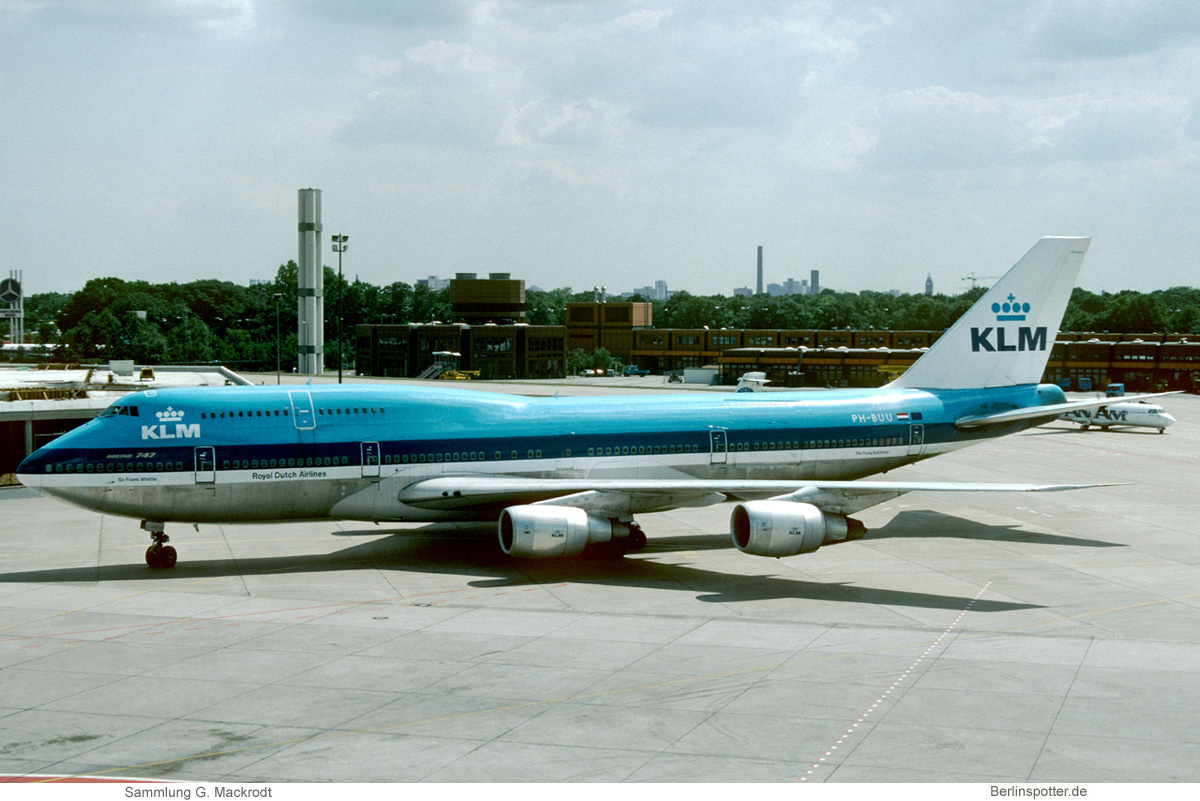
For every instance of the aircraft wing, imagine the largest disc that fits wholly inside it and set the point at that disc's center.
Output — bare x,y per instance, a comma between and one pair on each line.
1048,412
616,497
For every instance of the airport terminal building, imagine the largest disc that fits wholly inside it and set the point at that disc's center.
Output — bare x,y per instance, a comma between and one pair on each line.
791,358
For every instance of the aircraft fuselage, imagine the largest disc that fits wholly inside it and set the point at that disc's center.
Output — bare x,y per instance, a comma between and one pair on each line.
267,453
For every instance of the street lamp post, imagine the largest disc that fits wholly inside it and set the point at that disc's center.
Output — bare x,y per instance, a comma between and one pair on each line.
277,297
339,245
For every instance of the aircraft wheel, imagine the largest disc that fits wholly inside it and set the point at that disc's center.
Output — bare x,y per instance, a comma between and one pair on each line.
637,539
161,557
1085,428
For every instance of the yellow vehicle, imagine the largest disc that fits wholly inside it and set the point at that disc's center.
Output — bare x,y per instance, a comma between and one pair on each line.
459,375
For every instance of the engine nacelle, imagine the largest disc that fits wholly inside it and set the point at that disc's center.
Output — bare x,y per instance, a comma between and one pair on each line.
542,532
787,528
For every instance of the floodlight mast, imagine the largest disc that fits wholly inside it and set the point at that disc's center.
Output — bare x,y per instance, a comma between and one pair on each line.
339,245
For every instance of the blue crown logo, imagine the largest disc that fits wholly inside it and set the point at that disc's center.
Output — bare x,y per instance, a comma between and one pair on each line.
1010,310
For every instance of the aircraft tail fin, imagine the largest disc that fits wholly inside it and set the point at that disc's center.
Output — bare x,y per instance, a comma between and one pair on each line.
1005,338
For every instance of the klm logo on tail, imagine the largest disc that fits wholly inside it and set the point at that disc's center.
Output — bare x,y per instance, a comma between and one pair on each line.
181,431
997,339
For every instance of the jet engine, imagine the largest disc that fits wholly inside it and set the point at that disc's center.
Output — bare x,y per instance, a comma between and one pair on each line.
787,528
541,532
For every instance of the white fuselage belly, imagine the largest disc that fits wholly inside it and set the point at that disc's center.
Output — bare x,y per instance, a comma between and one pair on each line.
344,492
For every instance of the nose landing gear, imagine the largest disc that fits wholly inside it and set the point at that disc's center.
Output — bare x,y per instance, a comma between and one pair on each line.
159,555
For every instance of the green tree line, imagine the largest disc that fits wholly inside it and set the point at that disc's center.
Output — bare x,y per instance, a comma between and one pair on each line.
211,321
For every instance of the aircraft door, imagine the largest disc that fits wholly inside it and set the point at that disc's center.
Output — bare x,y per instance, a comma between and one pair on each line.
302,409
370,459
916,439
206,465
718,439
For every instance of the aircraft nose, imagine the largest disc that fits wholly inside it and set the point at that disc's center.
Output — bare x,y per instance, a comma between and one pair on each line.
29,472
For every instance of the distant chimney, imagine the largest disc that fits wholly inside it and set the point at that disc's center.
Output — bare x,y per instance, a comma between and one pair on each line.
760,285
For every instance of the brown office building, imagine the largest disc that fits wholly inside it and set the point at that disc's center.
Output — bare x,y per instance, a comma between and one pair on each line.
497,299
607,325
495,351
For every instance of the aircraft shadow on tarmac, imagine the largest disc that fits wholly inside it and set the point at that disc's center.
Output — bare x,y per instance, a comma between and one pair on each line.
425,551
921,524
1049,432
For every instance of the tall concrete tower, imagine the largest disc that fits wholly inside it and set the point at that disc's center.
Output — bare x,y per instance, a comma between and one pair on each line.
929,284
814,283
310,335
760,288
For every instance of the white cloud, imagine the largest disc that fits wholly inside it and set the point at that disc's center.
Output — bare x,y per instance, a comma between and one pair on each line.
937,128
164,16
1069,29
441,93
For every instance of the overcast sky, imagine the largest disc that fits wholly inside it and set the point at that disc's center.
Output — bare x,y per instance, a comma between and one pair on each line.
603,142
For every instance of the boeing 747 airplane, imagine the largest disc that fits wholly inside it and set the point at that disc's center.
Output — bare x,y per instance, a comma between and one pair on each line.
559,474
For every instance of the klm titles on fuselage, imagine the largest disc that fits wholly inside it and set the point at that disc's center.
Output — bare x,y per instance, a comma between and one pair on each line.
164,430
1027,338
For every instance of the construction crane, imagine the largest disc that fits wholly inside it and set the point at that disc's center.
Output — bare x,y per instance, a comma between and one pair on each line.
975,279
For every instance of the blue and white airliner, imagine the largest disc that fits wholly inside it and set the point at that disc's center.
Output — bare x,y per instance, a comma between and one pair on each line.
558,474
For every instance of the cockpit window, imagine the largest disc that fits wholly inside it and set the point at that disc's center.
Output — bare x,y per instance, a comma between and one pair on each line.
122,409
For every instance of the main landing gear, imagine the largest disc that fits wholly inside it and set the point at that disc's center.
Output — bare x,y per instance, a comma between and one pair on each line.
159,555
634,541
